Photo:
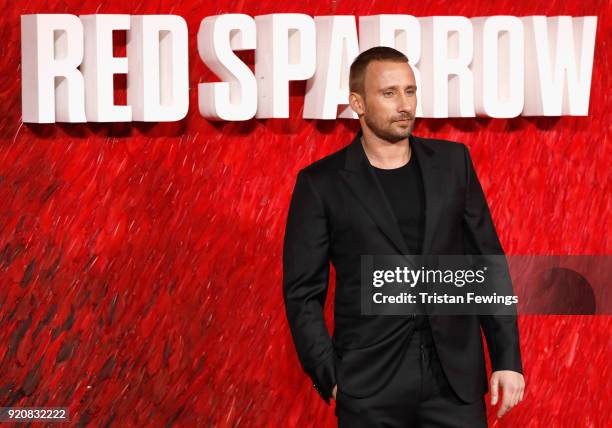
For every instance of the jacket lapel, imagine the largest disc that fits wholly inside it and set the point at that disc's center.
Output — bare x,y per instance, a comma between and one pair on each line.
361,179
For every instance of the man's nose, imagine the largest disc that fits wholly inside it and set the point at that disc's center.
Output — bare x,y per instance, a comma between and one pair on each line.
405,104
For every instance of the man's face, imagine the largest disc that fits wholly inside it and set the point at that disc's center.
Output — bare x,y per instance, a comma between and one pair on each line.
389,105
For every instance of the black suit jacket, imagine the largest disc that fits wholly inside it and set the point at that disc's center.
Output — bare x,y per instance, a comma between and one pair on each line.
339,211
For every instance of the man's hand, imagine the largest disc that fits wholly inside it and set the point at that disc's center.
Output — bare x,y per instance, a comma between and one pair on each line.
513,385
334,391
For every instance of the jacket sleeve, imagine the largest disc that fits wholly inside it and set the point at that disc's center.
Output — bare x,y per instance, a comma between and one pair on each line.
305,283
501,331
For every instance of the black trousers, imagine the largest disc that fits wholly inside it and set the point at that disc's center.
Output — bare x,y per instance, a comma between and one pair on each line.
419,395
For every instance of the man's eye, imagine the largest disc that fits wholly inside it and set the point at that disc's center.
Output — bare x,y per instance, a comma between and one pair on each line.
388,93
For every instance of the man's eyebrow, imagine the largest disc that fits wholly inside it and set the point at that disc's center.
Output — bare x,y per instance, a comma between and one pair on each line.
395,87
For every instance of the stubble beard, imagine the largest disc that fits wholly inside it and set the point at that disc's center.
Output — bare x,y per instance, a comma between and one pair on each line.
391,132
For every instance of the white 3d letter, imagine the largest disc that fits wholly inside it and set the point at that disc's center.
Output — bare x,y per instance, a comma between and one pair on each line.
559,63
447,51
498,66
158,75
52,88
337,47
99,66
285,51
236,97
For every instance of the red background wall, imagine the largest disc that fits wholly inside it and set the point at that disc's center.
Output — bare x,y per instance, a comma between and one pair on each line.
141,263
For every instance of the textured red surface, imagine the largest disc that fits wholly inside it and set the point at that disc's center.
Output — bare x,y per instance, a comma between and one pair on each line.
141,264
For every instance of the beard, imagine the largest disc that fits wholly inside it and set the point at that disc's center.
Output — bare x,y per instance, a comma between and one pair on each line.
391,131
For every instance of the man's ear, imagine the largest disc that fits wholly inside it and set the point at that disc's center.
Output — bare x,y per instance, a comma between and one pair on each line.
356,103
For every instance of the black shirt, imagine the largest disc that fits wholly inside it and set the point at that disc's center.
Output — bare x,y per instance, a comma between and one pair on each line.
404,189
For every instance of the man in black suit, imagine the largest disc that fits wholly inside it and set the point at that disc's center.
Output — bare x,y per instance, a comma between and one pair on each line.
389,192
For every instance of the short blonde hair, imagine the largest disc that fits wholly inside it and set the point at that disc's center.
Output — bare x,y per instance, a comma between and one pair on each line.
360,64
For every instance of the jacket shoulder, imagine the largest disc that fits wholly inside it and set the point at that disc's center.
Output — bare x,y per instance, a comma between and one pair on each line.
327,164
443,146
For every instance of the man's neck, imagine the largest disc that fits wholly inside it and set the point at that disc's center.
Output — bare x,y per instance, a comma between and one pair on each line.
386,155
